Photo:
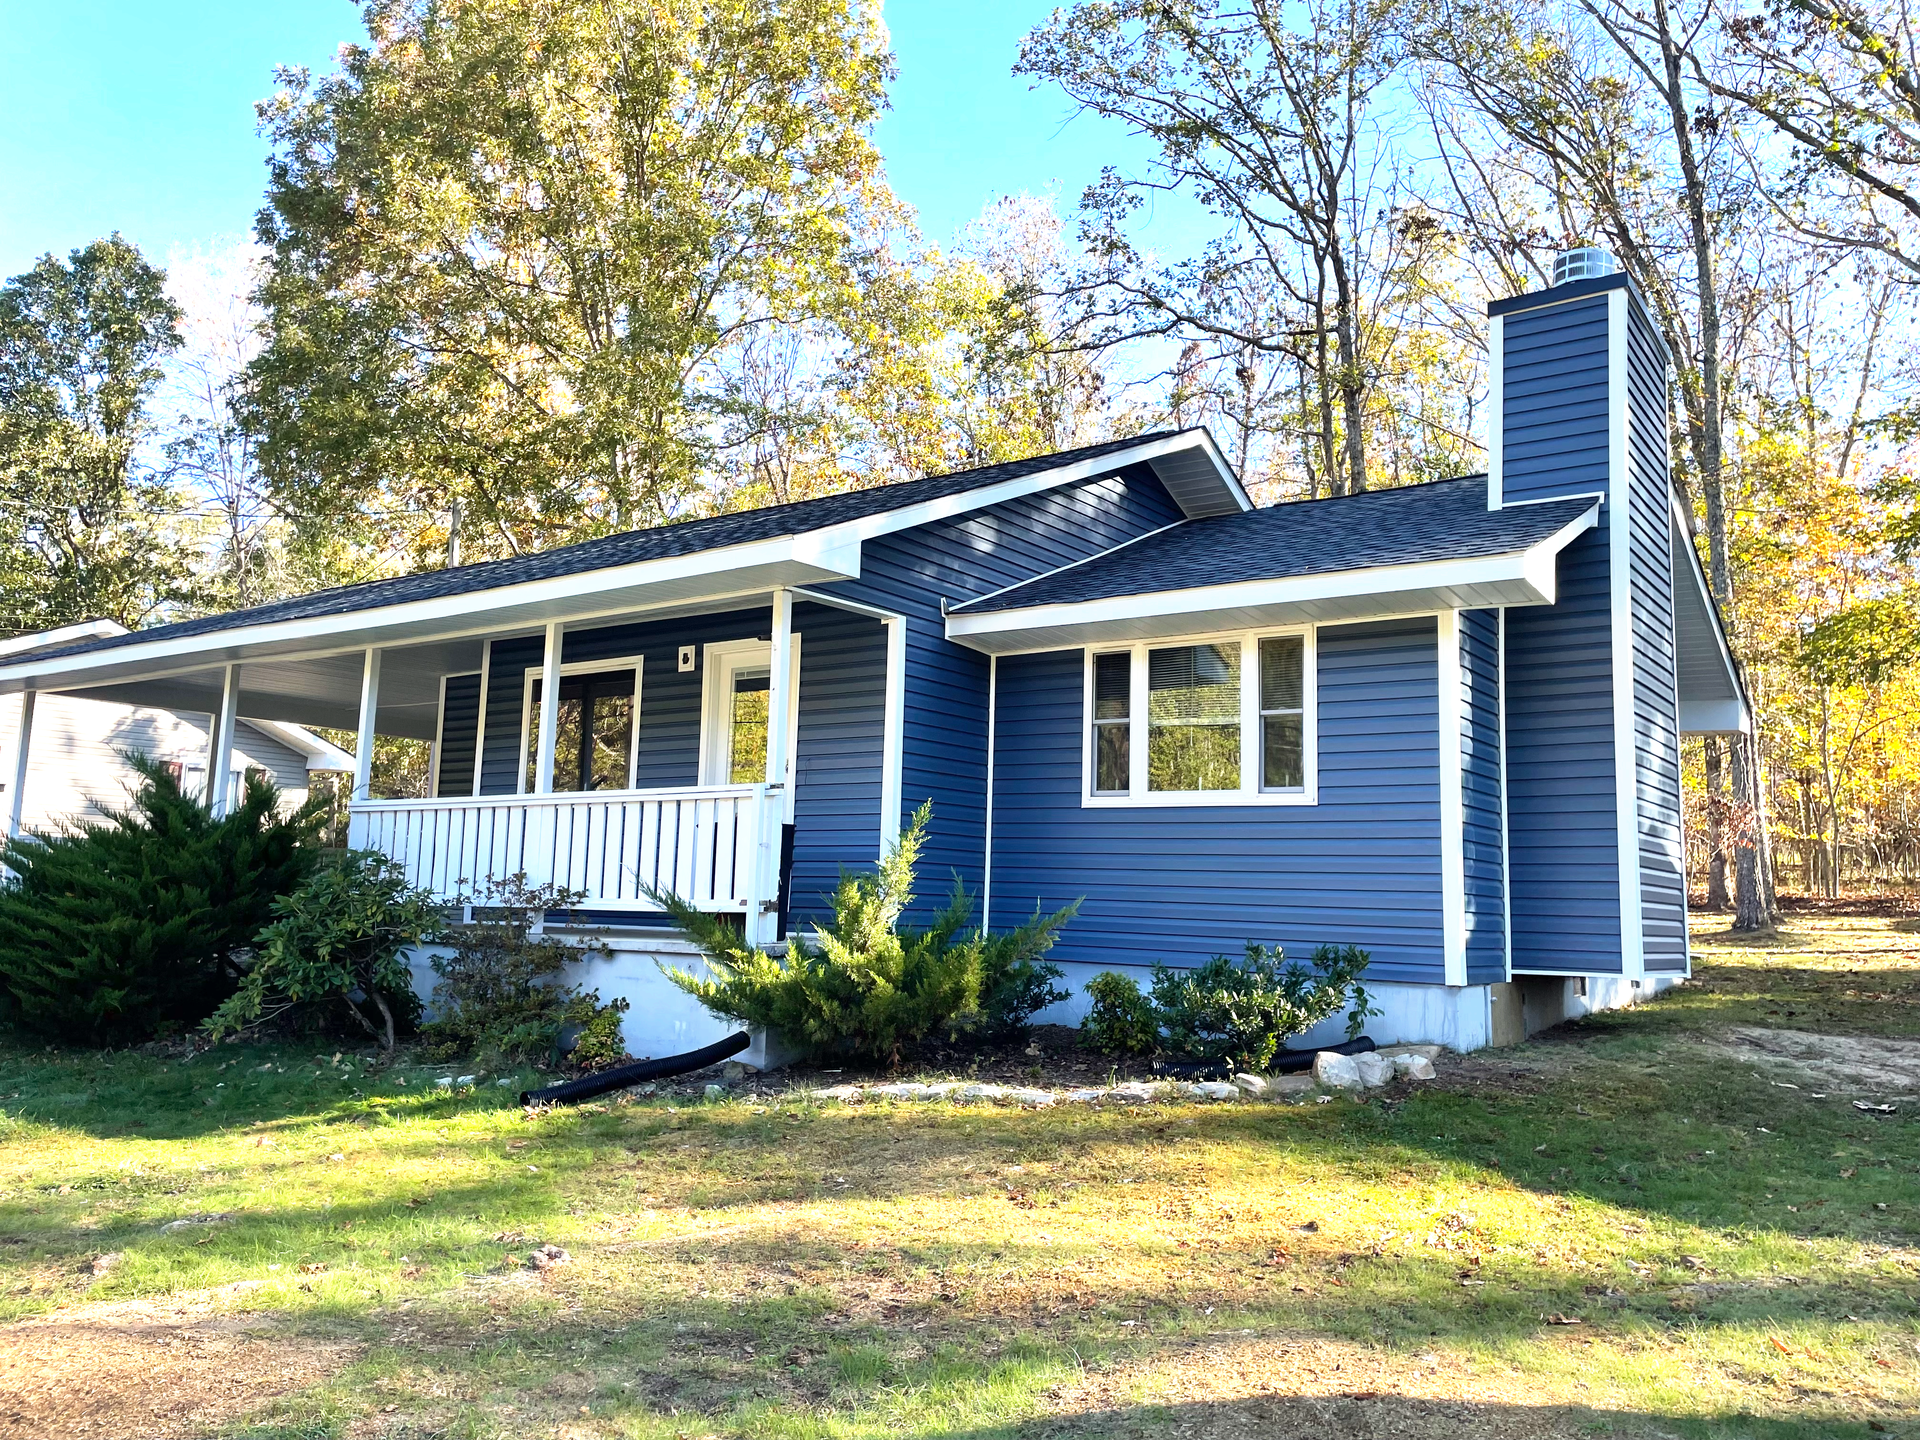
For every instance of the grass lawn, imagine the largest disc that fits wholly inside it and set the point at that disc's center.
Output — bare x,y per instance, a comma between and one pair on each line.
1631,1227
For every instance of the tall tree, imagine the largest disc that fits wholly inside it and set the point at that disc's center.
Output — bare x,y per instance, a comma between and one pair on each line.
1276,120
514,248
86,524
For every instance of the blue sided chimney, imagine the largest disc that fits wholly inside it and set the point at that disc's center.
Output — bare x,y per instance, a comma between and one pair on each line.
1578,406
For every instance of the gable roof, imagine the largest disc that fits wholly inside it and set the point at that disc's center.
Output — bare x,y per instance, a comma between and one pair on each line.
1440,520
1186,461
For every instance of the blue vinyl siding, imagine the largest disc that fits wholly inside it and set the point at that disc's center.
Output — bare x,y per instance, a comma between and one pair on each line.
842,714
1663,894
1480,795
944,750
1179,884
462,705
1563,863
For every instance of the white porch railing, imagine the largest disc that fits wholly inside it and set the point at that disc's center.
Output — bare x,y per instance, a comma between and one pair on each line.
717,847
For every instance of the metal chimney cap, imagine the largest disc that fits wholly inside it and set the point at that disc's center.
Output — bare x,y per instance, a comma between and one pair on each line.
1588,262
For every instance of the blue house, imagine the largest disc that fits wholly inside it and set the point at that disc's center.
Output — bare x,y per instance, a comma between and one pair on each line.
1440,722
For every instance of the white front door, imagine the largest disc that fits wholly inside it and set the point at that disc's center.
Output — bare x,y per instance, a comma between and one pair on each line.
733,728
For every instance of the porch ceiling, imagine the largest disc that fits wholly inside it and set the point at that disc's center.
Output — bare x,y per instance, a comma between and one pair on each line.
324,690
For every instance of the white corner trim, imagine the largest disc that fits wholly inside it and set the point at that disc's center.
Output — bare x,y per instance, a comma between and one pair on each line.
1453,864
1626,774
480,719
439,732
893,741
1496,410
1506,845
986,869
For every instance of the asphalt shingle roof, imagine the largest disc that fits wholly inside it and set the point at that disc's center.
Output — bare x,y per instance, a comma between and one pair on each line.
1442,520
661,542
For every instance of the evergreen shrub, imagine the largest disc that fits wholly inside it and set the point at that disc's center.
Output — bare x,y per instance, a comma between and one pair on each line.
500,998
865,986
1238,1012
338,943
1120,1020
136,925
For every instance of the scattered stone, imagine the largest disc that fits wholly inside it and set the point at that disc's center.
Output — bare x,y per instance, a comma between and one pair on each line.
1298,1083
1337,1071
104,1264
942,1090
504,1081
548,1257
1374,1070
445,1082
1251,1084
733,1070
716,1092
981,1092
902,1091
1084,1097
1136,1093
1427,1052
174,1227
1213,1090
1413,1067
466,1079
1029,1096
847,1094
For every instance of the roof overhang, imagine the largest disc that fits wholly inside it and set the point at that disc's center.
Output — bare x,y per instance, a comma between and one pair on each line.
1713,698
318,753
1519,577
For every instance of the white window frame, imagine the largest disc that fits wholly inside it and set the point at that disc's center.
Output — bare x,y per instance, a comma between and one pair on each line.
1249,793
584,667
720,661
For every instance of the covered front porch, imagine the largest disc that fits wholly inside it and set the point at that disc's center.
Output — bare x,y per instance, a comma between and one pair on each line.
735,750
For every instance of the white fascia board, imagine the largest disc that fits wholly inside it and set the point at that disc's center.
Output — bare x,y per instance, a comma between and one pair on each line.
927,511
65,635
818,556
1714,717
320,754
1520,577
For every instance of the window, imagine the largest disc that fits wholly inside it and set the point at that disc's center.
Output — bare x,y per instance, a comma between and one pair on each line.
1220,720
593,729
736,689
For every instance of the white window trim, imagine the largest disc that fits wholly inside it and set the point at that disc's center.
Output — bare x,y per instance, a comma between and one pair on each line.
584,667
1249,792
718,662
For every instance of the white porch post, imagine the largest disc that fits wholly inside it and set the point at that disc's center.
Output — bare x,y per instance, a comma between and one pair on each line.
549,711
763,919
779,687
17,801
363,742
220,745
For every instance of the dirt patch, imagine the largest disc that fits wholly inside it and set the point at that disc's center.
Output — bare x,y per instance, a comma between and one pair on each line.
1836,1064
146,1369
1245,1387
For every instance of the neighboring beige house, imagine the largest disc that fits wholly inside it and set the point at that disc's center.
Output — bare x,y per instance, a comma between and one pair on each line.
74,767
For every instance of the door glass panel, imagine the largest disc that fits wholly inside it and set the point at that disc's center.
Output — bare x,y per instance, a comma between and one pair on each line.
747,727
593,732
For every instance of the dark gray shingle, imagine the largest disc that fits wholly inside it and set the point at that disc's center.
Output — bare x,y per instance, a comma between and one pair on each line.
1443,520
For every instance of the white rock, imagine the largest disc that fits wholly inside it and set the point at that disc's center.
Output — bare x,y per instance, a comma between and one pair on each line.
1137,1093
1029,1096
466,1079
716,1092
845,1093
1336,1071
1413,1067
981,1092
504,1081
1216,1090
942,1089
1298,1083
1084,1097
445,1082
1251,1084
1374,1070
900,1091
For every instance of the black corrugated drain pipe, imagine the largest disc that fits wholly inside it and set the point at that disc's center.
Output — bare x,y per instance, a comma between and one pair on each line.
1289,1062
571,1092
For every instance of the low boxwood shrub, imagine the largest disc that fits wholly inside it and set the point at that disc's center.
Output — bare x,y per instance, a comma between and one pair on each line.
137,924
1120,1020
499,996
865,986
1238,1012
337,944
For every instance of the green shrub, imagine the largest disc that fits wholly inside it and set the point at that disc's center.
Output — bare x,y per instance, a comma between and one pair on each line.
337,943
1120,1020
864,986
135,925
499,995
1237,1012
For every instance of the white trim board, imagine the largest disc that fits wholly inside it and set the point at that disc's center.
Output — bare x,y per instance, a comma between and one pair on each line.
1496,411
1453,844
1626,774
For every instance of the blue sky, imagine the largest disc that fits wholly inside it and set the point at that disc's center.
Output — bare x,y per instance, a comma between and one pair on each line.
139,116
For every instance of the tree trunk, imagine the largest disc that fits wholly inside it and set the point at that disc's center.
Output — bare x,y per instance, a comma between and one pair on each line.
1716,826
